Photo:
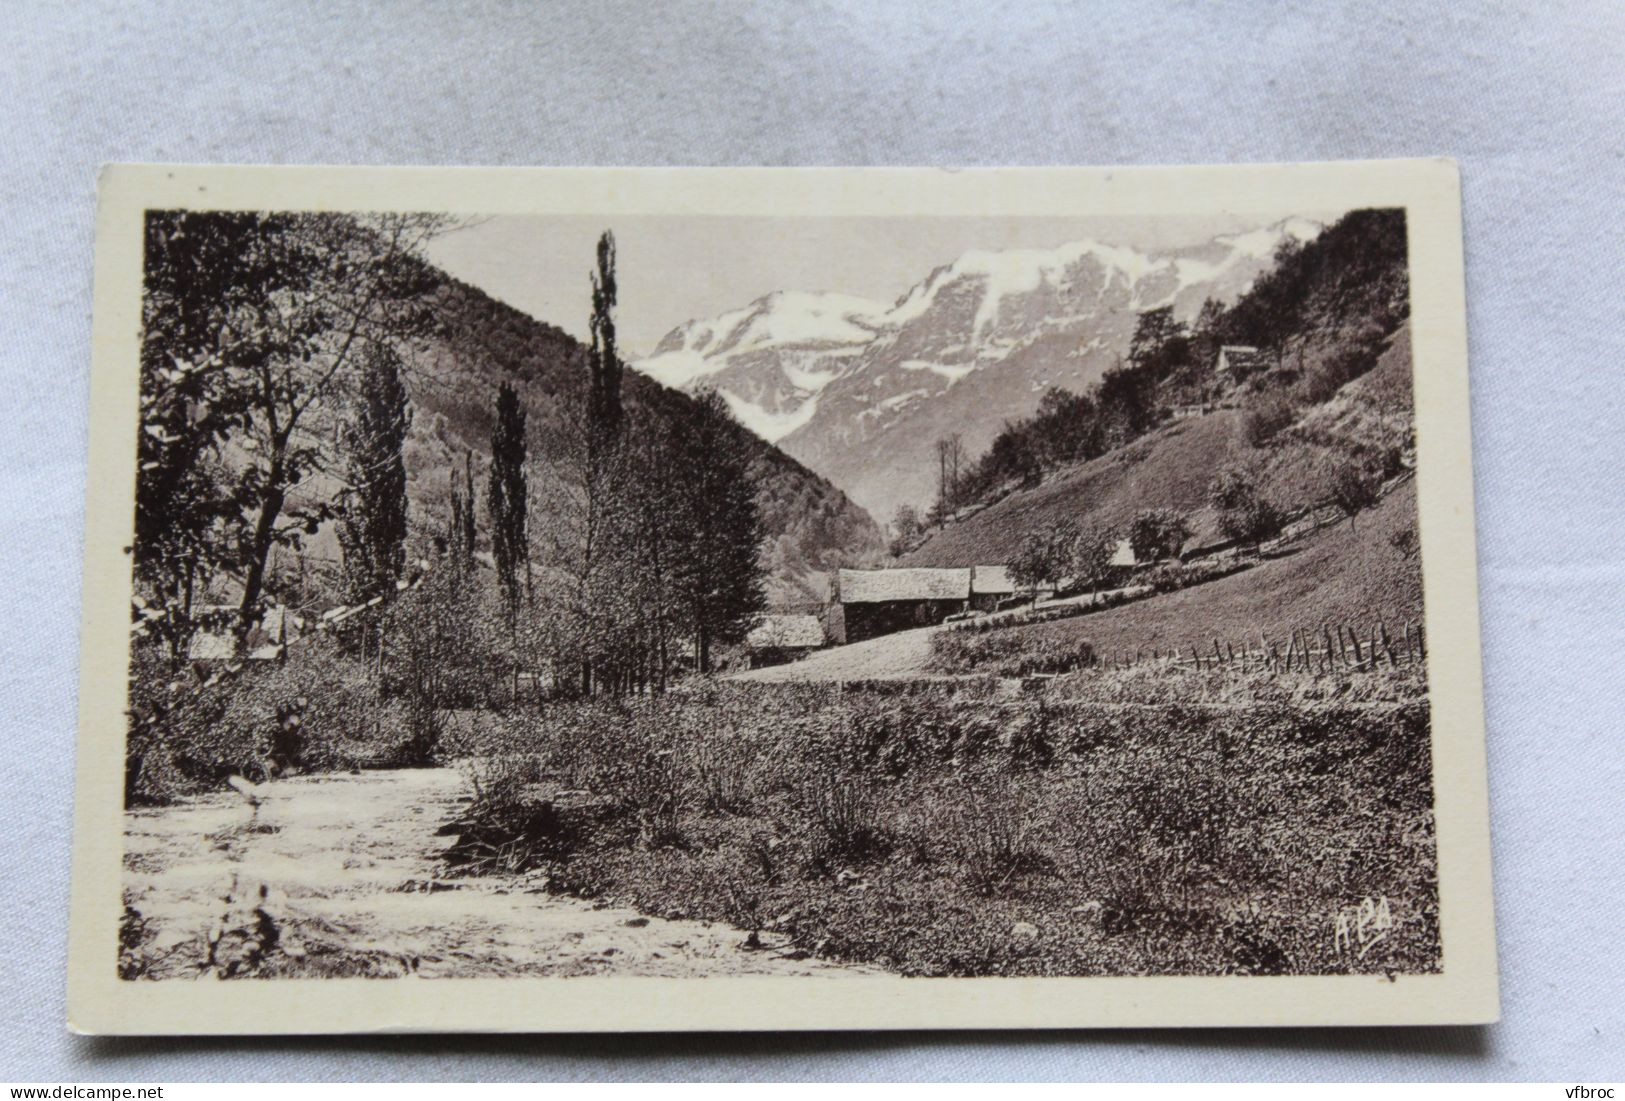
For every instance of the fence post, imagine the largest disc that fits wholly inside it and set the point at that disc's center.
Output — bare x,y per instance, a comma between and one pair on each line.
1354,640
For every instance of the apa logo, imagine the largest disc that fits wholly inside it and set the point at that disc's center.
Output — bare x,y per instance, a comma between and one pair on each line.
1358,929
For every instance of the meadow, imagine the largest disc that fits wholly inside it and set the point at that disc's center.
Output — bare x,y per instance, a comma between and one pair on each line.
1151,820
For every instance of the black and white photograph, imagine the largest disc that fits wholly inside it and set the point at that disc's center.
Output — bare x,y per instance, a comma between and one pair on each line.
804,596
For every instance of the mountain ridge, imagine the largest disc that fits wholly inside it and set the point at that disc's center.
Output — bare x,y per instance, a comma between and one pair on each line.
859,391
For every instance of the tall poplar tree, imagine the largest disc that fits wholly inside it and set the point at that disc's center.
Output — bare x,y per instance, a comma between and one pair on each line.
506,498
372,524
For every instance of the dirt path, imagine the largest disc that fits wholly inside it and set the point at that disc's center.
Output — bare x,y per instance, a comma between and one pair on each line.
903,654
353,886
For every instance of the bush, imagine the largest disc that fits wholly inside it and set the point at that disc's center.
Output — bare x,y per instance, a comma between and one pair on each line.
1007,654
1157,533
1143,820
989,826
187,736
1173,576
844,814
1267,419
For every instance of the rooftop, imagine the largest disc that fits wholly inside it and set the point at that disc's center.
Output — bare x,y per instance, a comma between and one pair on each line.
993,580
880,586
786,632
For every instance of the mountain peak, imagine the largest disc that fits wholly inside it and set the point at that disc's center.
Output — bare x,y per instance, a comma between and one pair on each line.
859,390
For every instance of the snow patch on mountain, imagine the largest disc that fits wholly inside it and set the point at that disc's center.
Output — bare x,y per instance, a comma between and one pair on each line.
951,373
770,426
855,388
1260,244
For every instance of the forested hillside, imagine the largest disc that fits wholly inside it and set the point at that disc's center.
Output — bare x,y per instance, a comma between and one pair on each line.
478,342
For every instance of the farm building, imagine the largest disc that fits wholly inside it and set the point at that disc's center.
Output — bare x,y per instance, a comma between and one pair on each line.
1240,360
867,603
776,639
990,586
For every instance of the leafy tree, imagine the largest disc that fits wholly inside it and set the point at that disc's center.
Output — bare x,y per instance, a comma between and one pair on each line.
720,574
1089,555
1243,514
460,536
604,411
1157,533
251,322
1127,401
1065,428
1160,343
1355,486
342,283
506,497
1207,333
1046,555
906,529
950,453
372,524
208,278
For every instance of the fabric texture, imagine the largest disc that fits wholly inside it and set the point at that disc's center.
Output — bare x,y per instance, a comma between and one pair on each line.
1528,96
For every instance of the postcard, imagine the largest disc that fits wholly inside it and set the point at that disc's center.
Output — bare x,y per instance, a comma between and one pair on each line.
739,599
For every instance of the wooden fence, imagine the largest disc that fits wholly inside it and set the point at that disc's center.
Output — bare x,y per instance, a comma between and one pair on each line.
1334,647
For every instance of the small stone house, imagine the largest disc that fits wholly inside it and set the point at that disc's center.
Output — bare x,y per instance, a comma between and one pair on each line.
868,603
776,639
1237,361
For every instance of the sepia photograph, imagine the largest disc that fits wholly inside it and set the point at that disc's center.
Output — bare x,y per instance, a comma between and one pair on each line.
859,592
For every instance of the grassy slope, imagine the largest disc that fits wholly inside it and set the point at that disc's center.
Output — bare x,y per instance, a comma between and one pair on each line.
1173,466
1168,468
1342,575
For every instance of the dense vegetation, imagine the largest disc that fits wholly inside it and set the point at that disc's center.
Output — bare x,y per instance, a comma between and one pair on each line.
284,403
1120,823
810,526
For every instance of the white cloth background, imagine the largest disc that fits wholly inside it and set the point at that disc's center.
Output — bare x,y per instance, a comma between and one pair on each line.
1529,96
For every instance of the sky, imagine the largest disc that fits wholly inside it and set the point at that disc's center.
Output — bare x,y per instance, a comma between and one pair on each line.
680,268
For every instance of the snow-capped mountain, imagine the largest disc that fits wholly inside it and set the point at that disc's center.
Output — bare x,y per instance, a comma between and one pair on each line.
859,390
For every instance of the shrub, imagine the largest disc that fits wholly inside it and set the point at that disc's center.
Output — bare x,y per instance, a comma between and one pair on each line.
1007,653
1268,418
988,824
723,767
186,735
1157,533
844,812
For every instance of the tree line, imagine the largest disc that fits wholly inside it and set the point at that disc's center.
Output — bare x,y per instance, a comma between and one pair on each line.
275,404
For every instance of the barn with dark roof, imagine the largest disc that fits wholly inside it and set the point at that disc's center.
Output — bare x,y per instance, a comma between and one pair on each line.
868,603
